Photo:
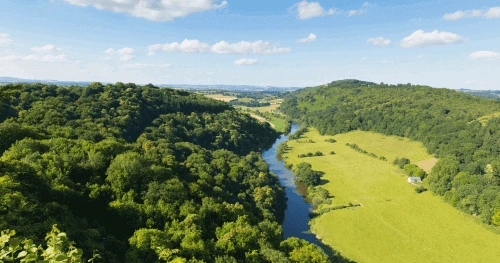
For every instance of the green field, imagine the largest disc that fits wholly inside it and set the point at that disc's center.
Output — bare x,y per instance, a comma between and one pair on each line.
279,124
394,223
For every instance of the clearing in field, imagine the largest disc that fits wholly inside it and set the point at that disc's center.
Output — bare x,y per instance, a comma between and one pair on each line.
394,223
222,97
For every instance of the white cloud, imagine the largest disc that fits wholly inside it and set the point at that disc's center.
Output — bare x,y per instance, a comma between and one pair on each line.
164,10
420,38
187,46
364,58
493,12
308,10
4,39
362,10
245,61
222,47
145,65
46,48
490,55
125,53
35,58
310,38
379,41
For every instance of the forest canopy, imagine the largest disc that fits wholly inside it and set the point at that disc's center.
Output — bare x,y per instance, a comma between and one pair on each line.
141,174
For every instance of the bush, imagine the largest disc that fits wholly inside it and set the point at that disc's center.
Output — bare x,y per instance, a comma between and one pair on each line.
420,189
332,153
304,173
331,140
401,162
318,153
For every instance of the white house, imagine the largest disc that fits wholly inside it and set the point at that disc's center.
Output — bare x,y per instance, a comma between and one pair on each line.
412,180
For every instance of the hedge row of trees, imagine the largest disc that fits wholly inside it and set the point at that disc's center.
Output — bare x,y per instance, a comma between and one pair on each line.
141,174
461,130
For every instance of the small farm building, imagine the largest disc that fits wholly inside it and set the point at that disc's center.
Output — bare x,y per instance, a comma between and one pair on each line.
414,180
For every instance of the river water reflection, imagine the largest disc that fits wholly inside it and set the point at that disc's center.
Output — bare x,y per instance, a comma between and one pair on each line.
297,212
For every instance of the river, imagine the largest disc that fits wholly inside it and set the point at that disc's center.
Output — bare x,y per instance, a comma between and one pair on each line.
297,211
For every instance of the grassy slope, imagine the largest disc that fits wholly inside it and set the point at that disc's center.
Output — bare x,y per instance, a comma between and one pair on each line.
279,123
395,224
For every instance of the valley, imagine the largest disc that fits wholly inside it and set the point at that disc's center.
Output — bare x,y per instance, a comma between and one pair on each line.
393,223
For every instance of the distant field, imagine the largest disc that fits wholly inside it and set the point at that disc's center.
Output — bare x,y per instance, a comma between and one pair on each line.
261,109
222,97
394,223
261,119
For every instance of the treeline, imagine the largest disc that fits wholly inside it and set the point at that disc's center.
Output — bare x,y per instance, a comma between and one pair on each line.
446,121
251,103
141,174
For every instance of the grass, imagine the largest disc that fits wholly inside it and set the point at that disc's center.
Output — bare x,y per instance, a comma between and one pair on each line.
277,123
222,97
394,223
261,109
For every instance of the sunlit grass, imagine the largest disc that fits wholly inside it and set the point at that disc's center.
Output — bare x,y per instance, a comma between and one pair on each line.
394,223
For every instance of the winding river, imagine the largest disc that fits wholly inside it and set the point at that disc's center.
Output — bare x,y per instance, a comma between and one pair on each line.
297,212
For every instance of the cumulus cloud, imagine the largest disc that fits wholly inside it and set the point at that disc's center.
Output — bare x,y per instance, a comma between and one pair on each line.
155,10
362,10
490,55
46,48
125,53
379,41
306,10
186,46
310,38
35,58
244,47
4,39
245,61
420,38
493,12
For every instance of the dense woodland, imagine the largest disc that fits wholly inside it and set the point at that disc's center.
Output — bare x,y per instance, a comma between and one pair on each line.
141,174
461,130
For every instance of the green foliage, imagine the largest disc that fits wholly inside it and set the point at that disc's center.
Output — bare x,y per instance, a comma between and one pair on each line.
461,130
58,249
496,217
305,174
319,195
139,173
300,251
420,189
412,170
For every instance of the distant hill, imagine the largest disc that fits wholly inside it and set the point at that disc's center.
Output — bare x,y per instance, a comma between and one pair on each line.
488,94
7,80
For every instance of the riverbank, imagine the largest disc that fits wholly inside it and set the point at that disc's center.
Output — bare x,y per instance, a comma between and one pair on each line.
393,223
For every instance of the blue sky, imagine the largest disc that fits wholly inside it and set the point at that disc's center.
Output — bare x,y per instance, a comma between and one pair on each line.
453,44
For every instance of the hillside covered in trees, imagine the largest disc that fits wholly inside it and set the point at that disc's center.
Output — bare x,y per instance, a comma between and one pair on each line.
141,174
461,130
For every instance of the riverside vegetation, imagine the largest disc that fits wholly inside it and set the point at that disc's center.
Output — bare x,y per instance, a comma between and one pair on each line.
139,174
368,211
461,130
